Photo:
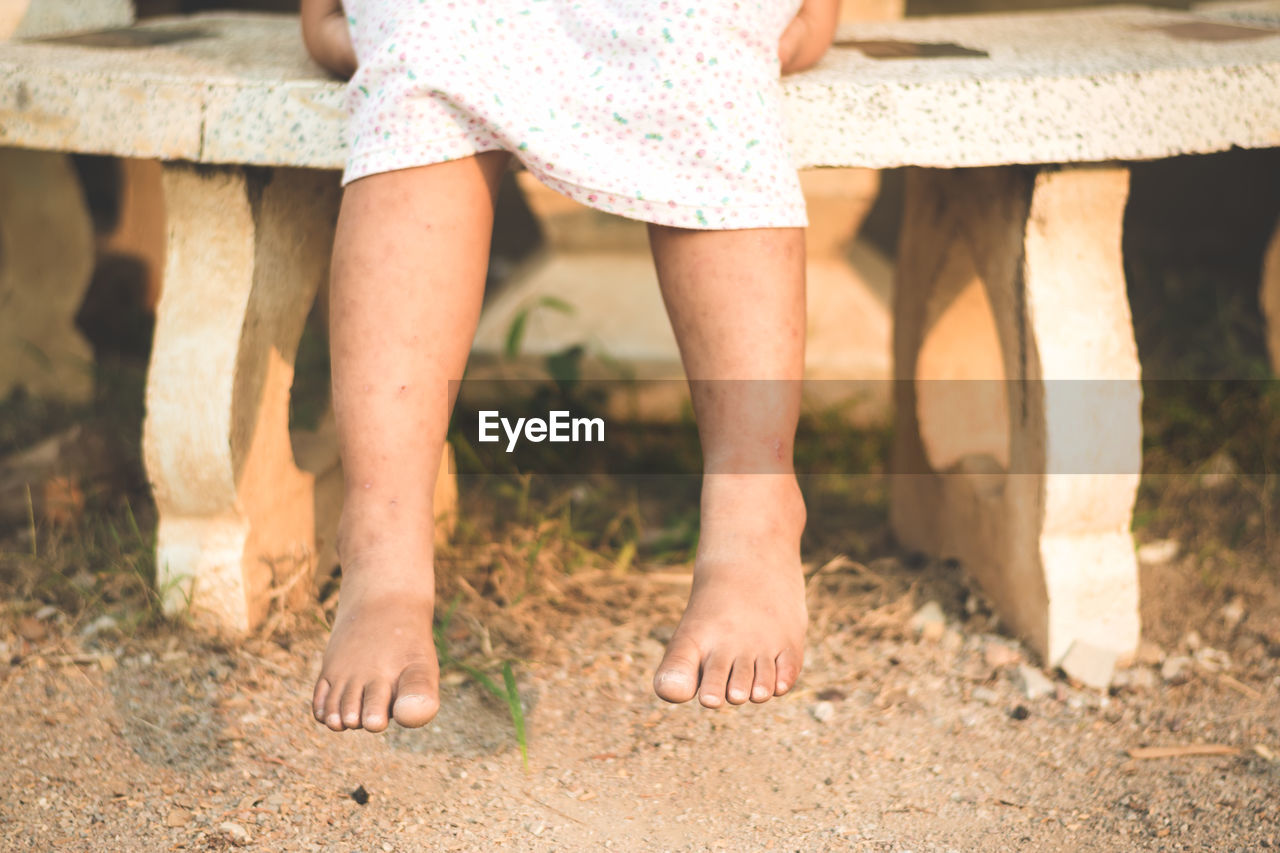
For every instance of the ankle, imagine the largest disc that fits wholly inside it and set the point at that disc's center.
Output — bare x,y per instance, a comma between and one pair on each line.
773,503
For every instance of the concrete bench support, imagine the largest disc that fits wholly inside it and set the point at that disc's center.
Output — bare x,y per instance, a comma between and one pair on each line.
1012,276
46,260
246,252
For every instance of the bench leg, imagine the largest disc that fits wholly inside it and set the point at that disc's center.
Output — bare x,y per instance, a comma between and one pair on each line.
1013,275
246,252
46,261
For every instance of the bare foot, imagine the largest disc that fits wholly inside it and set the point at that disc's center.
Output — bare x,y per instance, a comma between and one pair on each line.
380,663
742,633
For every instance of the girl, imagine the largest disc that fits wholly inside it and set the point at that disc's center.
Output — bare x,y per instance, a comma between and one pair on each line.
666,111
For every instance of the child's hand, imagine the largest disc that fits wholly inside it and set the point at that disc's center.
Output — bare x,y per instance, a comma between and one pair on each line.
808,35
325,33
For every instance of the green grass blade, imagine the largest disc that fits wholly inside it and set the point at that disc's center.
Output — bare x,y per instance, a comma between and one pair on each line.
517,710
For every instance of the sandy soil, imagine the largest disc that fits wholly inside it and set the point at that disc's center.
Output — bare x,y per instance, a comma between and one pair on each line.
892,741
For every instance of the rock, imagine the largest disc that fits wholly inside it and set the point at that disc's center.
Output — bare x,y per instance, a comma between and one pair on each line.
177,817
1033,683
1212,660
1136,679
1192,641
46,612
985,695
537,828
998,655
933,632
1232,613
234,832
1220,470
1177,669
1090,665
823,711
1149,654
105,622
1158,552
929,619
32,630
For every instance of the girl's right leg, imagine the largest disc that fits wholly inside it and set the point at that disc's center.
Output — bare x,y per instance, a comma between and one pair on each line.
409,265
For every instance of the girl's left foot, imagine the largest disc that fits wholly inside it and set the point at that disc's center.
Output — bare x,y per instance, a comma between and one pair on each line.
742,634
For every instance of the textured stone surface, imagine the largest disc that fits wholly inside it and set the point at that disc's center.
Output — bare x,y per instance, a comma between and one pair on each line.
1256,12
1081,85
1004,457
237,517
27,18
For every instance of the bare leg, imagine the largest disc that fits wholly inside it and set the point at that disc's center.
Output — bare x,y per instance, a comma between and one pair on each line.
736,300
408,278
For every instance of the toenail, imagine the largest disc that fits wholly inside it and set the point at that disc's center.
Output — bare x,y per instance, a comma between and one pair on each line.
673,676
760,692
782,686
739,695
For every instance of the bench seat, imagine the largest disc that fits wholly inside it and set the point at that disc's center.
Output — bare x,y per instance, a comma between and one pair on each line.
1009,272
1119,83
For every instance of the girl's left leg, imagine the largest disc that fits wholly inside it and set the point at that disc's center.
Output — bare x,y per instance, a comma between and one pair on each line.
736,302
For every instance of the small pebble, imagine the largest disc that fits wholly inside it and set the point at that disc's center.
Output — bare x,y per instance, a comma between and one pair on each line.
998,655
1232,613
1033,683
985,695
1212,660
1158,552
1149,654
1177,669
1019,712
177,817
234,832
930,614
823,711
1136,679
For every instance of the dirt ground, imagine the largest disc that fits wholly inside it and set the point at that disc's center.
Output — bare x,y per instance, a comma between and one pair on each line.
154,738
124,732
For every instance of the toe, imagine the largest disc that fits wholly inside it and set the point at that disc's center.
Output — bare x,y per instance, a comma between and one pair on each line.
765,681
715,675
332,707
677,677
349,707
417,696
376,705
318,698
787,665
740,679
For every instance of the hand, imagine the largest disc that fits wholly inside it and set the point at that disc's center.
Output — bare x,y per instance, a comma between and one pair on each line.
327,37
809,34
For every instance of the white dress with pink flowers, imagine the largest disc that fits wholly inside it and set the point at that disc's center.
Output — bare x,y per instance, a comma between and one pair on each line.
668,112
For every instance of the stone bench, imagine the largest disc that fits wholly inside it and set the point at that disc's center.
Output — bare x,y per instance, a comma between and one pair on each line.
1009,272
